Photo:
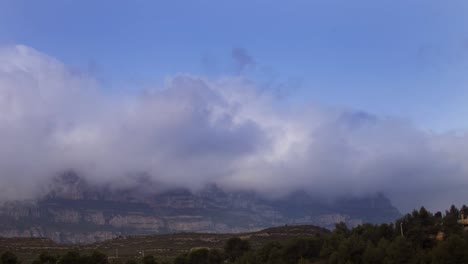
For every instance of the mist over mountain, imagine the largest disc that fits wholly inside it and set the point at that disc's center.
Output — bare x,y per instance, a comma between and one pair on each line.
76,211
194,131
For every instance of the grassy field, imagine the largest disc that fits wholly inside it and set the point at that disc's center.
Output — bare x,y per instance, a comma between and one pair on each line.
165,247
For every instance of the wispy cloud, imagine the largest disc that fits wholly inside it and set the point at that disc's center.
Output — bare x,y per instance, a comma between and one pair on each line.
241,59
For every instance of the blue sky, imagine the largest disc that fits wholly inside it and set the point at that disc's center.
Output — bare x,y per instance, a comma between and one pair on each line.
399,58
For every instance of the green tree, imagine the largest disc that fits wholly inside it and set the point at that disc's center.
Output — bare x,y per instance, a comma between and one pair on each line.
304,261
71,257
236,247
199,256
450,222
422,256
181,259
9,258
342,229
452,251
46,258
276,256
419,228
373,254
248,258
149,259
399,251
302,248
333,241
216,256
350,249
98,258
264,253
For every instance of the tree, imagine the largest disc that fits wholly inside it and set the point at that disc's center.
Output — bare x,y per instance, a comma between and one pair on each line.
419,228
399,251
9,258
181,259
248,258
216,256
276,256
450,222
341,228
71,257
149,259
452,251
350,249
304,261
373,254
236,247
199,256
264,253
46,258
98,258
302,248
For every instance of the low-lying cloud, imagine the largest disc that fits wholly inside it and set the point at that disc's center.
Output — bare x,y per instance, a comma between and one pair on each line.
196,130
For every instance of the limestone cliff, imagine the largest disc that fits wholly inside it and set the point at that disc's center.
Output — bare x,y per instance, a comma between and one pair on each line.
75,212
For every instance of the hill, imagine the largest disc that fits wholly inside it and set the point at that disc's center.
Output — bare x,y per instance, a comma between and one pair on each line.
165,246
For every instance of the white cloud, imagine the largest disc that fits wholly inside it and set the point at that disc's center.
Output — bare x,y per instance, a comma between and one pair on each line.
197,130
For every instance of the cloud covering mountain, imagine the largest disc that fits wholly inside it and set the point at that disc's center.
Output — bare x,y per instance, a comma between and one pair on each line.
196,130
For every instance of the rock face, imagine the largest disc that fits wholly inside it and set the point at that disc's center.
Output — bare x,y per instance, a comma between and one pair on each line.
74,212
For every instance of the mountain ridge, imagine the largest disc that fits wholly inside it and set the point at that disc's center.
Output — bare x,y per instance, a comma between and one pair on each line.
74,211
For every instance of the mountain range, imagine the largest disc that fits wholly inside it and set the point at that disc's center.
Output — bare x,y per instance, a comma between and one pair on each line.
75,211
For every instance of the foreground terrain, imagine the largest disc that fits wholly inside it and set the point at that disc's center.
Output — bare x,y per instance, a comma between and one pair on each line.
419,237
165,246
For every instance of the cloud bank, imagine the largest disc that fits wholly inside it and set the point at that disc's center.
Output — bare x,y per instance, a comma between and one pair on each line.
196,130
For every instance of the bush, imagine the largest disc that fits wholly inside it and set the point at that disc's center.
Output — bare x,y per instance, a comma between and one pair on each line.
9,258
149,260
236,247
